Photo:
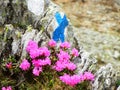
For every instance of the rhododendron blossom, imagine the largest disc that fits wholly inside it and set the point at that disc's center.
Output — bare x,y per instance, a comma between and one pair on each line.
44,51
37,71
40,62
7,88
31,45
63,56
9,65
25,65
70,80
71,66
40,57
52,43
60,65
75,79
82,78
75,52
88,76
36,63
65,45
34,53
46,61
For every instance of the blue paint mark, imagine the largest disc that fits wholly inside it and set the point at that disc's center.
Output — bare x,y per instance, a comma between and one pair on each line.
58,34
58,17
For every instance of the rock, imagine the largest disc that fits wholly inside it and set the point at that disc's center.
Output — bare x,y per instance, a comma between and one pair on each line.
28,35
118,88
40,37
14,12
36,6
100,45
45,22
116,54
105,78
85,62
41,29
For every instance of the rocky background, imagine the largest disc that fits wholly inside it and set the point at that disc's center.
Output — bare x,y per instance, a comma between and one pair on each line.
97,27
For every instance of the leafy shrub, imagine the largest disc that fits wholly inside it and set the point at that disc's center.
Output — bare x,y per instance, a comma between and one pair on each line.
44,68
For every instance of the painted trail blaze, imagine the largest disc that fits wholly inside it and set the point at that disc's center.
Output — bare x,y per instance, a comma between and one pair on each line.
58,34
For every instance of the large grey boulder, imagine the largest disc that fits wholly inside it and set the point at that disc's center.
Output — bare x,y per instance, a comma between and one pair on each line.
18,14
21,14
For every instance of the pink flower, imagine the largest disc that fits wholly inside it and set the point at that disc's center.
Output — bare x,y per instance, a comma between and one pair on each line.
70,80
9,65
59,66
75,79
31,45
75,52
65,78
37,71
63,56
65,45
52,43
82,78
7,88
25,65
34,53
71,66
3,88
36,63
47,61
40,62
88,76
44,51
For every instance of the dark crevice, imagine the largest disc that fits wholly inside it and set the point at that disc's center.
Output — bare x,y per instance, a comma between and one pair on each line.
9,12
7,49
40,42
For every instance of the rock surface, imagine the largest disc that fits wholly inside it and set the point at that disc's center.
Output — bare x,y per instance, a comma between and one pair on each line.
97,23
45,24
15,40
104,78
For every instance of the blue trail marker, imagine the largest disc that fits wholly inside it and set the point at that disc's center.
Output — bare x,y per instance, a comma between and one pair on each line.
58,34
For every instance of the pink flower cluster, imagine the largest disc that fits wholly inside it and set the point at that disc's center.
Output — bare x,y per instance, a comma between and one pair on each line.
34,51
52,43
65,45
7,88
75,79
31,45
39,56
37,71
88,76
75,52
25,65
70,80
38,64
64,62
41,62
